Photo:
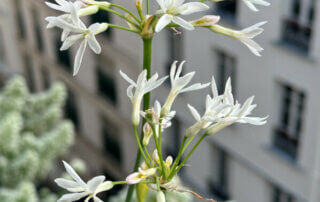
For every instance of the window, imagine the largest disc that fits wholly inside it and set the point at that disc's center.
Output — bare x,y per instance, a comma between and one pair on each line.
101,17
45,78
111,143
281,196
218,184
37,29
228,9
175,47
71,111
287,133
20,24
63,56
174,138
106,85
29,73
2,48
297,24
225,69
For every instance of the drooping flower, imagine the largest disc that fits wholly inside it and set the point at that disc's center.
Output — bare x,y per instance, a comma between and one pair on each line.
178,85
79,189
172,9
222,111
142,86
81,32
142,174
250,4
245,36
206,20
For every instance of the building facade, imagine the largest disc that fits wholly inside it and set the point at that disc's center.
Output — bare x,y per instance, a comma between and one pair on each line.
277,162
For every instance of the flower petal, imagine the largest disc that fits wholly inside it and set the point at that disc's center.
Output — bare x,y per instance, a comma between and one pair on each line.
69,41
72,197
94,44
194,113
163,21
79,57
183,23
95,182
192,7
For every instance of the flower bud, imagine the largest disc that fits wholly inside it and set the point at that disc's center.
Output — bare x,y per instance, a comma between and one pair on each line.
217,127
139,5
161,197
169,161
155,156
194,130
147,131
206,21
89,10
99,3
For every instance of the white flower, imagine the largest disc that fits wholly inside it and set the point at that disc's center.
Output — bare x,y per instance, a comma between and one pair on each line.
245,36
142,86
222,111
178,85
250,4
81,189
142,174
171,9
63,5
154,117
87,35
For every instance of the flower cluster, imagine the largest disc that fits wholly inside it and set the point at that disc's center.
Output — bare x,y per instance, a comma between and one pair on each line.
167,16
221,111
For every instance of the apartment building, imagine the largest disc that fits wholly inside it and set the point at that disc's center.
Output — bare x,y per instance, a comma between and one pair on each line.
277,162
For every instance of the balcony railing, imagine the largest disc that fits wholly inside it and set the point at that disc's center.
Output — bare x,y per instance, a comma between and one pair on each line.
286,142
296,35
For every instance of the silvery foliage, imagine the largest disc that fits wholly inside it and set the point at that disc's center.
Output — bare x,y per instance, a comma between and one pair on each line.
32,134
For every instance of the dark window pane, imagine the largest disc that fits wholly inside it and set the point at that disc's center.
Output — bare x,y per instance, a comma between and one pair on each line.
228,8
287,134
45,78
20,22
297,32
2,48
219,185
63,56
175,47
111,144
225,69
106,85
37,29
29,73
71,109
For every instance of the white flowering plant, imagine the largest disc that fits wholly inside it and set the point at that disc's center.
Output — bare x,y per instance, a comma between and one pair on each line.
155,172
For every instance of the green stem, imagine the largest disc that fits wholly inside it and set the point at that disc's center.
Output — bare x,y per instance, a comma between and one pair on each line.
123,28
158,146
147,47
139,145
148,9
119,182
148,155
126,10
176,161
188,155
120,15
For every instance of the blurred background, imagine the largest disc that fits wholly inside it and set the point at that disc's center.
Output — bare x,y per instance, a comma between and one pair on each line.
277,162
